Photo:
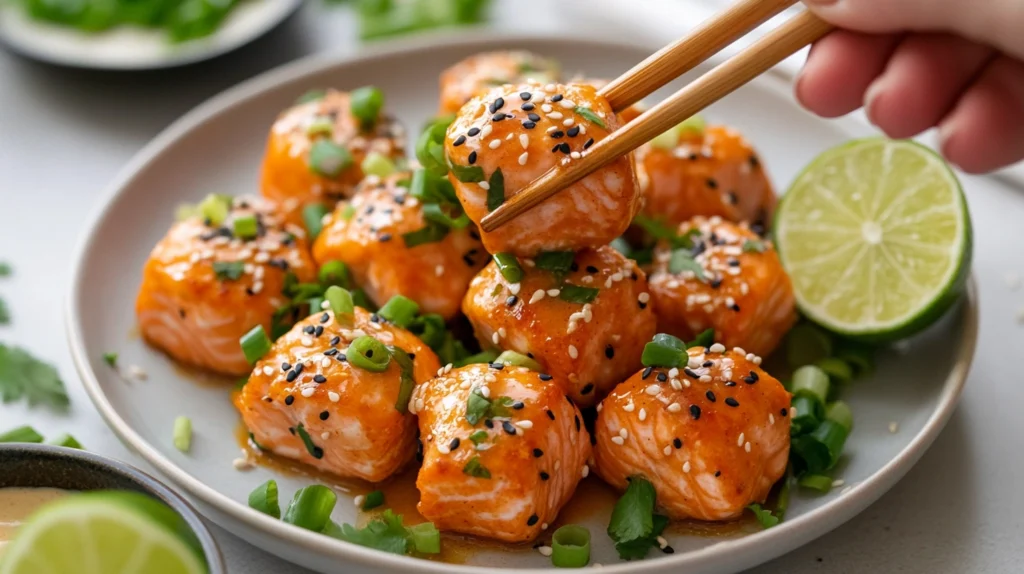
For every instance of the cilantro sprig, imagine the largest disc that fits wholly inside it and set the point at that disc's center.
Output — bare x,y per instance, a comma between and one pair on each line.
24,376
634,527
389,534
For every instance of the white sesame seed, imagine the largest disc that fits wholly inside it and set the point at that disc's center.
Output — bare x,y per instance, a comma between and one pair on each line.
756,360
419,405
306,341
447,368
484,185
494,143
624,433
443,449
523,157
333,396
537,296
545,550
325,435
495,338
643,415
600,407
527,424
514,288
575,155
653,390
308,392
567,104
439,270
739,351
524,140
746,446
544,525
667,450
501,332
546,108
567,122
675,384
643,297
739,441
489,378
705,378
555,115
674,408
618,440
485,391
268,370
718,348
242,464
553,292
485,131
771,419
465,385
686,467
509,136
573,352
792,411
325,362
838,482
586,471
662,543
630,407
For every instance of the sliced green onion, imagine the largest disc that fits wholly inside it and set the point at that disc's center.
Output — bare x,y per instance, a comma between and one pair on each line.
590,115
841,413
110,359
430,149
474,174
682,260
246,227
753,246
833,436
570,546
763,515
704,339
818,482
311,507
313,217
378,164
368,353
806,344
446,214
21,434
214,208
837,369
341,303
400,310
373,500
366,103
313,450
476,469
808,412
518,360
182,436
577,294
667,140
360,299
255,344
186,211
481,357
495,190
335,273
664,351
328,159
694,124
67,441
406,381
320,126
558,262
431,329
264,499
311,96
228,270
430,233
347,212
811,379
426,539
478,437
860,357
509,267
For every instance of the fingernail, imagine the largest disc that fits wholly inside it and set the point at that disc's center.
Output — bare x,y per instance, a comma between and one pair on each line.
871,100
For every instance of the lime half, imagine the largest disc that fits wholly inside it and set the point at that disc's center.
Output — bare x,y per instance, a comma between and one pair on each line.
103,533
876,238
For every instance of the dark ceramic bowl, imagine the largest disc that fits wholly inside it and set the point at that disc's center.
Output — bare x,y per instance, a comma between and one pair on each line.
37,465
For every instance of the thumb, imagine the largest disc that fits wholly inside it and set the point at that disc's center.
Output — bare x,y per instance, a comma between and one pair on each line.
994,22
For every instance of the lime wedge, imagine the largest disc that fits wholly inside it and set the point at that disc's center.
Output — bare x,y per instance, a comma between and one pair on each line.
104,533
876,238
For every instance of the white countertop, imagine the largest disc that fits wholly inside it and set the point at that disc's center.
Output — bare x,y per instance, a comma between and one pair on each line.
65,133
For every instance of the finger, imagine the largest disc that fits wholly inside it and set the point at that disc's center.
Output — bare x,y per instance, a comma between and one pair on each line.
840,68
985,130
922,82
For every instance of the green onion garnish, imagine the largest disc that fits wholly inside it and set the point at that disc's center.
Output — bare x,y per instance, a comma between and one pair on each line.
311,507
320,126
476,469
366,103
264,499
806,344
182,436
425,538
577,294
430,148
214,208
811,379
754,246
313,450
481,357
694,124
246,227
808,414
478,436
495,190
335,273
446,214
841,413
313,217
378,164
21,434
704,339
509,267
368,353
570,546
819,482
518,360
311,96
558,262
833,436
682,260
228,270
67,441
589,115
477,407
858,356
341,303
328,159
255,344
406,381
633,526
837,370
763,515
110,359
400,310
430,233
664,351
347,212
473,174
360,298
373,500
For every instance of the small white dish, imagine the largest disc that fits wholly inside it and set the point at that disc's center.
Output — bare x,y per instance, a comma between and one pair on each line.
133,48
218,147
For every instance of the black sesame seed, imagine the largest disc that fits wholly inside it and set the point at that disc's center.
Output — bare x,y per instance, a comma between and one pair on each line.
577,417
754,376
298,369
609,351
469,261
730,383
325,318
783,411
496,366
335,340
532,520
544,377
497,104
489,423
291,376
525,96
589,143
454,444
641,304
732,198
591,269
508,427
342,357
309,329
587,388
529,125
551,414
573,131
668,550
511,301
732,402
285,366
385,237
710,395
289,400
473,131
754,162
718,473
707,364
690,373
291,430
318,331
533,117
564,148
716,282
676,442
331,352
556,98
472,157
319,379
497,117
557,134
735,307
324,415
518,405
695,412
318,452
646,373
733,262
369,210
375,318
537,453
459,141
712,183
544,475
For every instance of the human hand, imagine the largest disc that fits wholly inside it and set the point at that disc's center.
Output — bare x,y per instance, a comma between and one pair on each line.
916,64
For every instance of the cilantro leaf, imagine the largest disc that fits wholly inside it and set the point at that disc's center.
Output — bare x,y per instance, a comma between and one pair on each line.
5,314
468,173
478,437
385,533
111,359
682,261
476,407
637,549
228,270
632,516
5,269
22,375
764,516
495,190
475,468
577,294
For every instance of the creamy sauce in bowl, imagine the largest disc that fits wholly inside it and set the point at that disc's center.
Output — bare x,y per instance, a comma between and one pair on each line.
17,504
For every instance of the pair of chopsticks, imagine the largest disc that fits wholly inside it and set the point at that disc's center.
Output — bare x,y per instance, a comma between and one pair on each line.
662,67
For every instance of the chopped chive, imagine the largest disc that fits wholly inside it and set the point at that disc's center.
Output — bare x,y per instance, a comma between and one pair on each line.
841,413
809,413
313,450
558,262
110,359
255,344
589,115
264,499
373,500
496,190
570,547
430,148
368,353
21,434
446,214
311,507
366,103
811,379
67,441
341,303
819,482
400,310
228,270
478,436
406,381
313,218
509,267
246,227
377,164
182,436
328,159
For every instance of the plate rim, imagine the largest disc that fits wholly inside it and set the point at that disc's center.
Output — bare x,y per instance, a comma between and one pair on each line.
766,544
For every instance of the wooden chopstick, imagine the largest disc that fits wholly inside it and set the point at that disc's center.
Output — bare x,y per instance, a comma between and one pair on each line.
704,41
768,51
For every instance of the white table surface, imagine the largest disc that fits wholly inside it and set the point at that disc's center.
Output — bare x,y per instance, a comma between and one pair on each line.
65,133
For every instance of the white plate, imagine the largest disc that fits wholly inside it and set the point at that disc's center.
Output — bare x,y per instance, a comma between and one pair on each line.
218,147
132,48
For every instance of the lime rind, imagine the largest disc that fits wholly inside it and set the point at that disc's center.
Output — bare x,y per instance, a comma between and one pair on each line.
876,237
